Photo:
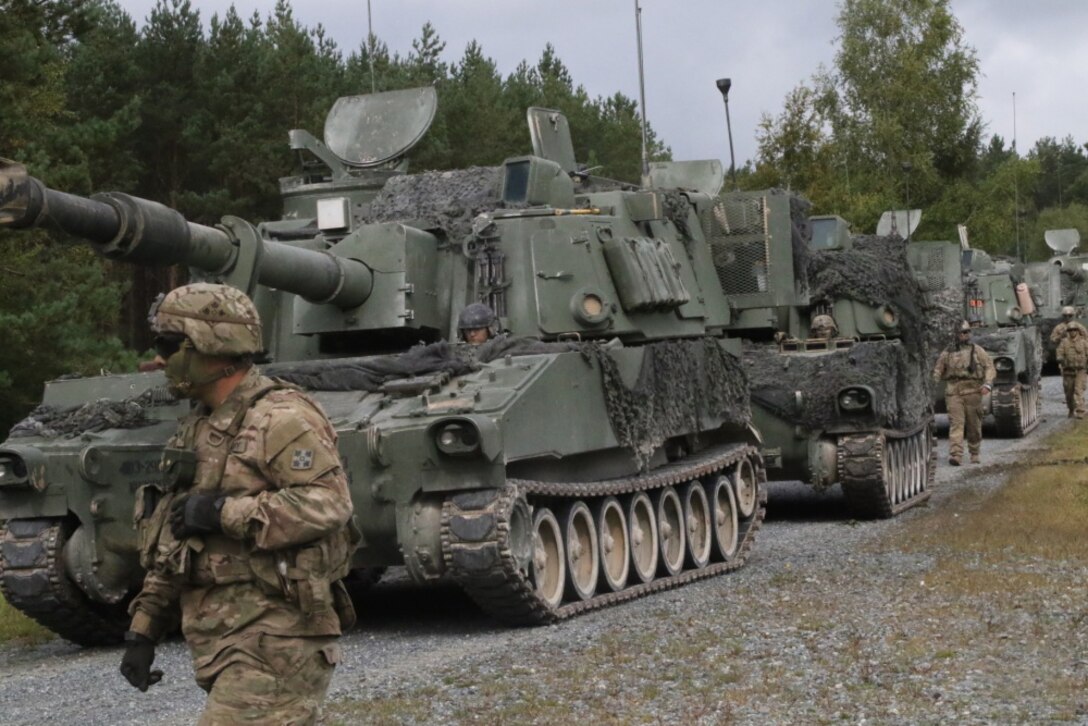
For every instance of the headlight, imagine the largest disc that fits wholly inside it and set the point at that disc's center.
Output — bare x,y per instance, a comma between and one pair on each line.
886,317
13,471
855,399
1004,364
458,438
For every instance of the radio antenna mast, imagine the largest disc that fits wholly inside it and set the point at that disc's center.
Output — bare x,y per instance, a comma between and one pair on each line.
1016,181
642,97
370,47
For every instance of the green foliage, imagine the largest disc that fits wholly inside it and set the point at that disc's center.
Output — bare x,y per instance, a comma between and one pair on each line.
195,114
57,311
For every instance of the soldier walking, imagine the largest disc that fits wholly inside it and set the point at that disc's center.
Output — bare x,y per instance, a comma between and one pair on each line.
1067,324
1073,360
250,532
968,373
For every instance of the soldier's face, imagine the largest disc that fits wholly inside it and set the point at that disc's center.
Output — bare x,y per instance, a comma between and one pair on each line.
475,336
965,335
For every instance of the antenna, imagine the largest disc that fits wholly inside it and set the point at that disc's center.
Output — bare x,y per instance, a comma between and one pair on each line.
724,84
1016,181
642,97
370,43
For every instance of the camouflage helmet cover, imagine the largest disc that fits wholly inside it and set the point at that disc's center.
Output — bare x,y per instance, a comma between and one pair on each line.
219,319
823,322
1068,311
476,315
965,327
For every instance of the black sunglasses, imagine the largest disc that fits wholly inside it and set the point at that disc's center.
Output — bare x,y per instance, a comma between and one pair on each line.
167,344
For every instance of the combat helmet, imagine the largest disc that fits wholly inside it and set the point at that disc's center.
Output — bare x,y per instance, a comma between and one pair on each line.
1068,311
218,320
476,315
823,324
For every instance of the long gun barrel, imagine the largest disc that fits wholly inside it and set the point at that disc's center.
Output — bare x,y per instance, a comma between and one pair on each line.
143,232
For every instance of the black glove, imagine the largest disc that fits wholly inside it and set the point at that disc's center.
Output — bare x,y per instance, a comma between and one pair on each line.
136,665
197,513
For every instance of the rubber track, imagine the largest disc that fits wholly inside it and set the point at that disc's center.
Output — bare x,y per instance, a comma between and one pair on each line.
484,566
1008,410
33,580
861,472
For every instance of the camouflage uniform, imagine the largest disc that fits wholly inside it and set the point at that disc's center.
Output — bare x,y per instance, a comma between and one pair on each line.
1073,359
259,609
965,368
1059,331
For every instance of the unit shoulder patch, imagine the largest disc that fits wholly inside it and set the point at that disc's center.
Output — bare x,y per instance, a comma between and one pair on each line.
302,459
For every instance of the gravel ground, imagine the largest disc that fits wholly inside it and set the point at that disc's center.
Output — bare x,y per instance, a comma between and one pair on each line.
829,621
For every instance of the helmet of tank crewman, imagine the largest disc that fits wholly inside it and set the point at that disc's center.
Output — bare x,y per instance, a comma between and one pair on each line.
823,324
218,320
1068,311
476,315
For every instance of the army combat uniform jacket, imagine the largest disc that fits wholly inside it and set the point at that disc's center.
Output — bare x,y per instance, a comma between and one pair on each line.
271,451
1059,331
1073,353
965,369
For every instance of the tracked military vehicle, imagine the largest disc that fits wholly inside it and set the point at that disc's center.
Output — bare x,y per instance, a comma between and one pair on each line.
847,407
599,450
967,284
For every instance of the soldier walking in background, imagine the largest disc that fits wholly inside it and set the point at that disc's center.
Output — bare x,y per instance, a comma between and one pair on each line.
968,373
250,532
1067,324
1073,359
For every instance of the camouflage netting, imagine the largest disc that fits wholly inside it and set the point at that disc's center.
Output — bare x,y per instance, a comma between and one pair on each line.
945,316
51,422
893,373
443,200
368,374
875,272
680,380
801,235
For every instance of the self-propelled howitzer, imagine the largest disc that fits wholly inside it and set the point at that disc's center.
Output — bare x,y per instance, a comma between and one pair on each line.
605,457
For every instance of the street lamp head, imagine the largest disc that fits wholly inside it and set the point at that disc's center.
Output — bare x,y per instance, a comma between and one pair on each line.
723,86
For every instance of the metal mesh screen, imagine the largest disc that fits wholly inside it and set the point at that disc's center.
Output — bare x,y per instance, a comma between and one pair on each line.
933,271
736,231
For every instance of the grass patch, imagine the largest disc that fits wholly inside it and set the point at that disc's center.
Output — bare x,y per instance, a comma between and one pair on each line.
1040,513
18,628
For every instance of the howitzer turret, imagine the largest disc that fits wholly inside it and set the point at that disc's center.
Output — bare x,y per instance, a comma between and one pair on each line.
597,450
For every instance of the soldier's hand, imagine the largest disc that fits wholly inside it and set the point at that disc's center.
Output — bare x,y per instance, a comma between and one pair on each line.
197,513
136,663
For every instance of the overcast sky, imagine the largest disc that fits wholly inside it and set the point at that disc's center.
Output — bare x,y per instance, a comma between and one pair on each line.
767,47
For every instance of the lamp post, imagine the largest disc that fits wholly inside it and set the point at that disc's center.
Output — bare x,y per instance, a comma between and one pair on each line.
724,85
906,166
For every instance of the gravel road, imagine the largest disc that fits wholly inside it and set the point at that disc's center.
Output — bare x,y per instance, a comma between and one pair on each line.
813,613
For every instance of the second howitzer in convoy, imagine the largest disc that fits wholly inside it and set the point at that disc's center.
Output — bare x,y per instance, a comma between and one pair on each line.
250,533
968,374
829,323
601,451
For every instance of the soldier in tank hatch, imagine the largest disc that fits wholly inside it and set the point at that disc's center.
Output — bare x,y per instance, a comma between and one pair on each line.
823,327
250,531
1067,324
477,324
1072,357
968,373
